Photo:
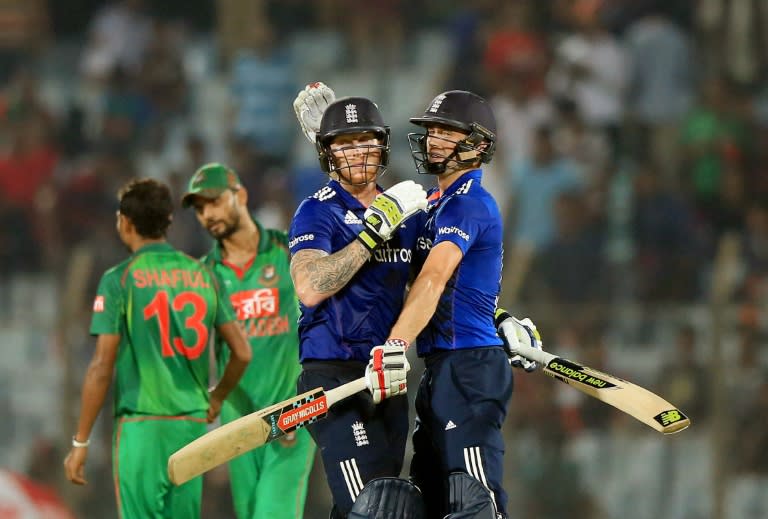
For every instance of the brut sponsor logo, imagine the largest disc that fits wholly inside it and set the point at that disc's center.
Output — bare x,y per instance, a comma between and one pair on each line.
299,239
453,230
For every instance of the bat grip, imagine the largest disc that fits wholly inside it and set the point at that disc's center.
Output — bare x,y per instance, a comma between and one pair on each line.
343,391
540,356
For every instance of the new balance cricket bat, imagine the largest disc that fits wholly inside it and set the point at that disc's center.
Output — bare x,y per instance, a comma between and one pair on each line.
625,396
254,430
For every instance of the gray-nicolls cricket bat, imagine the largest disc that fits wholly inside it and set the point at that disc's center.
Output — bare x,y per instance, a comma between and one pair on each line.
625,396
254,430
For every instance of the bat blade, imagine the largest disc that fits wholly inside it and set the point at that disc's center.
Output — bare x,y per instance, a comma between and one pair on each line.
254,430
625,396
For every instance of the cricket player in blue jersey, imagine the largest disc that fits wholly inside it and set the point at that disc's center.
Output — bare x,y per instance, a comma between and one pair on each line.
467,384
351,261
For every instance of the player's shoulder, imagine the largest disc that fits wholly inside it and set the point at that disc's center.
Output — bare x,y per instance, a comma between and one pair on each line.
323,202
326,195
117,272
277,238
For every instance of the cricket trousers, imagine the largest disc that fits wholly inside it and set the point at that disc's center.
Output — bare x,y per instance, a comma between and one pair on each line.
461,405
358,440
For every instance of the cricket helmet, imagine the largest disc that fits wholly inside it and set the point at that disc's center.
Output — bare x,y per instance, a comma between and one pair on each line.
459,110
348,116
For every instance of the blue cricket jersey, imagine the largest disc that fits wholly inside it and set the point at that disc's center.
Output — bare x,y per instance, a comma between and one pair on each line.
466,215
347,325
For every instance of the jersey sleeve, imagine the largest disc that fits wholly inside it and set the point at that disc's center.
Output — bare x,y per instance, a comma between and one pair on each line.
311,227
108,307
459,221
224,311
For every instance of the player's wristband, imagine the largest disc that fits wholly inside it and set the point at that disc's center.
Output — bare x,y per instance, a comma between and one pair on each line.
79,444
370,240
398,342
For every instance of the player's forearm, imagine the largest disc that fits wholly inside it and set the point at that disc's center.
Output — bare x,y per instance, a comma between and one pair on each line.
94,392
317,276
239,358
419,307
233,371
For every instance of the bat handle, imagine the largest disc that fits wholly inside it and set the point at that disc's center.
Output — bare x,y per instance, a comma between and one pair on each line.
540,356
340,393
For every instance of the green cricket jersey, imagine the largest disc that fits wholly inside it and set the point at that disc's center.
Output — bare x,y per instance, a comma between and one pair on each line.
164,305
265,302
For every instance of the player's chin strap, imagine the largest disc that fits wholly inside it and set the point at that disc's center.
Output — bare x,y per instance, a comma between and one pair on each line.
465,154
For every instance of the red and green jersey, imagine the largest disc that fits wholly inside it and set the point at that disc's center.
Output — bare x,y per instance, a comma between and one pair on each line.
265,302
164,305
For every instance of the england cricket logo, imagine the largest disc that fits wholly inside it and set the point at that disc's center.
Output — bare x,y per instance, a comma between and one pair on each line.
351,113
361,436
436,103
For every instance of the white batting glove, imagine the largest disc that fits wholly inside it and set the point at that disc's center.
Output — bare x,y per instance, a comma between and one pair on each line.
309,106
386,372
513,332
389,210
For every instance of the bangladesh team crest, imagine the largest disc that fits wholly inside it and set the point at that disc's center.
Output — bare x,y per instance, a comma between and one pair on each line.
269,275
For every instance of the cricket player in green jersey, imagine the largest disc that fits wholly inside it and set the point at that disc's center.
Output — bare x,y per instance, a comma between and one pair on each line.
252,265
153,315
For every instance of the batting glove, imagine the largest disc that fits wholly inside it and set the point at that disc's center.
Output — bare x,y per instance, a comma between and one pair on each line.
309,106
389,210
386,372
513,332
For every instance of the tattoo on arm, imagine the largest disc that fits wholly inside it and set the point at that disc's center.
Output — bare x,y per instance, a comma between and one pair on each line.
327,274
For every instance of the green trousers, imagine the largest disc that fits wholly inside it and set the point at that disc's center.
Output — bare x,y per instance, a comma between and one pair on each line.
271,481
141,446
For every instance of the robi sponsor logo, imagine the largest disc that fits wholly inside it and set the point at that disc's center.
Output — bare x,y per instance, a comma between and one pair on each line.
299,239
453,230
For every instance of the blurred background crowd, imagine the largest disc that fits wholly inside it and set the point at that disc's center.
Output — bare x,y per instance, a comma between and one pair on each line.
633,146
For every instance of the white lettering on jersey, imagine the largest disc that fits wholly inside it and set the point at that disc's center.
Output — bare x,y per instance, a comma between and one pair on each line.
423,243
463,190
350,218
453,230
387,255
325,193
299,239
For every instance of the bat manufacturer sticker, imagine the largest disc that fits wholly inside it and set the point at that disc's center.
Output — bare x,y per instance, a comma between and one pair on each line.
565,371
670,417
296,414
302,412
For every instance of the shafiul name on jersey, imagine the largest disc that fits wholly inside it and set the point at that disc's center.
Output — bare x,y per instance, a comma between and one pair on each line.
145,278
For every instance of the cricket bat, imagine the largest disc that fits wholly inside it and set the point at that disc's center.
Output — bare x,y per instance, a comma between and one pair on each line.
634,400
254,430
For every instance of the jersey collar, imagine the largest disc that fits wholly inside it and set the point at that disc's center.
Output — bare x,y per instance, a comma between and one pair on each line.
475,174
349,201
162,246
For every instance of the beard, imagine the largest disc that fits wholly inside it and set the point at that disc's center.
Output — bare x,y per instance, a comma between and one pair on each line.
223,229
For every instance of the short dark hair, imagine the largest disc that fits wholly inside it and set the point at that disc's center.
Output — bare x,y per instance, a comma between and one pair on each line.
148,204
